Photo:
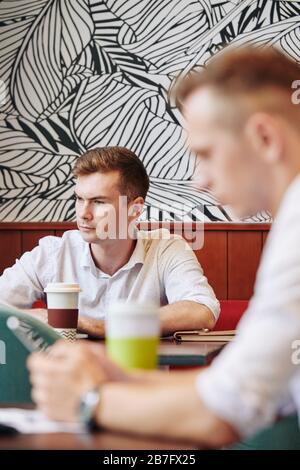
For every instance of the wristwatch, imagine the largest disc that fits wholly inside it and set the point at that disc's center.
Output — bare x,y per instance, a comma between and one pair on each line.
87,409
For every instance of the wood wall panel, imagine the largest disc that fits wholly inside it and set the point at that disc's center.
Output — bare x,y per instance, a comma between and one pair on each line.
244,251
31,238
213,259
265,236
59,233
229,257
10,247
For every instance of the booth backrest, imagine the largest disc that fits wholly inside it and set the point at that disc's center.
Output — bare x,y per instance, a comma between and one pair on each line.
229,256
231,312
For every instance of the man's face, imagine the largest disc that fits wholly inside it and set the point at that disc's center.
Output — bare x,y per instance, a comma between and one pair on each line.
97,203
227,164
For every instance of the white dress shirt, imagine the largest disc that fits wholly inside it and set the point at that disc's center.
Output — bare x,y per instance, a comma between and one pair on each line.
162,269
257,377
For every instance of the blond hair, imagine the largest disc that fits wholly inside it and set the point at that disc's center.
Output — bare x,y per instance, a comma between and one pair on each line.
248,78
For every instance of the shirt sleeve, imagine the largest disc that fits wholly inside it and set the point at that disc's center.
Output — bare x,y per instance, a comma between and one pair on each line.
250,383
247,384
183,276
24,282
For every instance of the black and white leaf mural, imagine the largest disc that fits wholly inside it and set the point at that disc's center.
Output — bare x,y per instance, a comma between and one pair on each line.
85,73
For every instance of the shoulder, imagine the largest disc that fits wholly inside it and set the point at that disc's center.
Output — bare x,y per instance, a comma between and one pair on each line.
162,241
51,243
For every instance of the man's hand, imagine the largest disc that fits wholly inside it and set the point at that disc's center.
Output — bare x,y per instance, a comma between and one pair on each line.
159,404
60,378
93,327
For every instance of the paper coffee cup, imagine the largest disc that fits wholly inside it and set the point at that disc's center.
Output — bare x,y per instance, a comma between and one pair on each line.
132,333
62,305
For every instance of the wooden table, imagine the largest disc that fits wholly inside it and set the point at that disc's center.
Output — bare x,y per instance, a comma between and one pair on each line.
103,440
184,353
97,441
172,353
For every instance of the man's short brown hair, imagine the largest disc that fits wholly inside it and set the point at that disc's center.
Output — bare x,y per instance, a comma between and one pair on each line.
261,77
133,181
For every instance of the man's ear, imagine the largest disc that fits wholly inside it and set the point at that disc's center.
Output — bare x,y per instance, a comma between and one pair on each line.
136,207
265,134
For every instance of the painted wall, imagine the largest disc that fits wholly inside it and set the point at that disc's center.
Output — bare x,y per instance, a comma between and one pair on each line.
83,73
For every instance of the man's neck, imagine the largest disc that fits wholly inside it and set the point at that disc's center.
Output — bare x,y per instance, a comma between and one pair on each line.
112,255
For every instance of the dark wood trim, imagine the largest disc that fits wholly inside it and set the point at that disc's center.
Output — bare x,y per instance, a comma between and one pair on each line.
217,226
261,227
243,256
37,225
213,226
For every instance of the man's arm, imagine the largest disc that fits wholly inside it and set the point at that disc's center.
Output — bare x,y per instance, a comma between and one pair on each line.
23,283
93,327
169,409
185,315
157,402
90,326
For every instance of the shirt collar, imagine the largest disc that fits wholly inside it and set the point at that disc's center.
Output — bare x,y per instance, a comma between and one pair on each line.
137,257
86,259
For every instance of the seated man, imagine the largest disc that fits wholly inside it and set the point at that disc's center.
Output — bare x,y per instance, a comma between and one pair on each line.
109,258
244,123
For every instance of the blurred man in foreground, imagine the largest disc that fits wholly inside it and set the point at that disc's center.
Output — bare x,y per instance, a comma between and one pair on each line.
243,121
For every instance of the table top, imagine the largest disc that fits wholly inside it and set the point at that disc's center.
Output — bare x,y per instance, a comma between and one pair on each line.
170,353
184,353
189,353
96,441
103,440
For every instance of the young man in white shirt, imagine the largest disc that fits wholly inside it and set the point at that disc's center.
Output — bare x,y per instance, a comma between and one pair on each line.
109,258
243,120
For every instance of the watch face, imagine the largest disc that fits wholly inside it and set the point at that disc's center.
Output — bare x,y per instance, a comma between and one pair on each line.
88,407
92,398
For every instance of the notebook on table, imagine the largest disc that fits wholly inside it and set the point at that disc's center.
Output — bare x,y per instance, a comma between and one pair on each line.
205,336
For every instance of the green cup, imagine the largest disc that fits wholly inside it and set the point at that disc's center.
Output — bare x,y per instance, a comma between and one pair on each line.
132,334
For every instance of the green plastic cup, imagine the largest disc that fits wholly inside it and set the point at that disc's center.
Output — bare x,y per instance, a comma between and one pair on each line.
132,334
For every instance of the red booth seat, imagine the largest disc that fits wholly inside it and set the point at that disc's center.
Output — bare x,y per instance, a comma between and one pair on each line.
231,312
39,304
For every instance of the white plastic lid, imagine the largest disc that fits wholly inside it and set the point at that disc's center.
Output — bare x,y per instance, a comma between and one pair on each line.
121,307
62,287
